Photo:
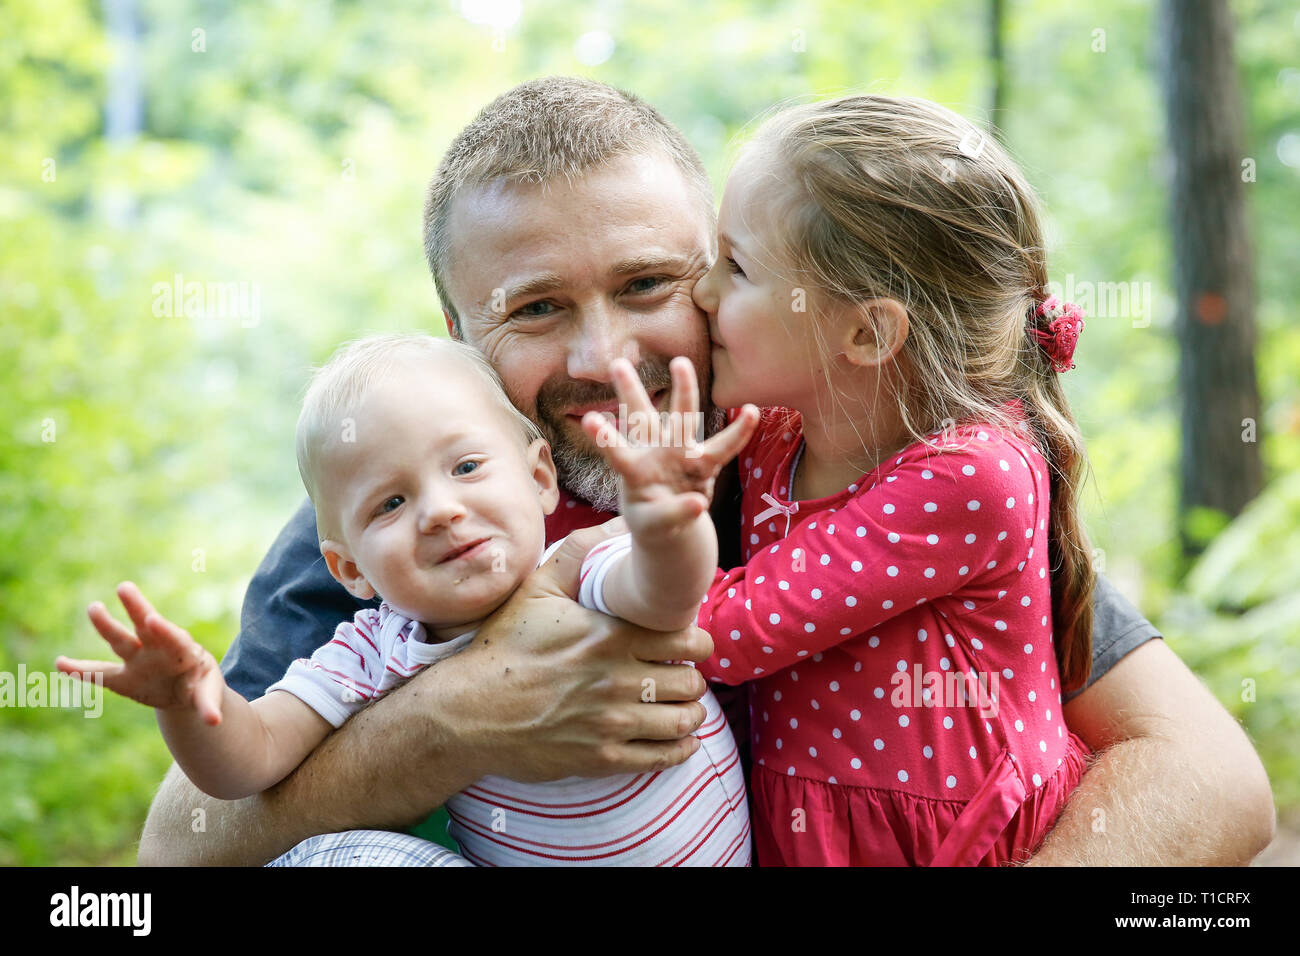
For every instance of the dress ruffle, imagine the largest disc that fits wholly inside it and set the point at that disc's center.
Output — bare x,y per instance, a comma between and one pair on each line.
800,821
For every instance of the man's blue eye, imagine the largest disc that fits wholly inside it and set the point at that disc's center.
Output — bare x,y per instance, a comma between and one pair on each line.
471,465
645,284
385,506
534,310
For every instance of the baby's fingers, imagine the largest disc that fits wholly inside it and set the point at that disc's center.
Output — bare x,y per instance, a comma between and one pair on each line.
87,670
162,635
118,635
205,689
729,442
669,513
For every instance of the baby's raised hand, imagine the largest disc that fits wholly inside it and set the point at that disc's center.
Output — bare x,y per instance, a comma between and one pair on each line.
667,474
162,666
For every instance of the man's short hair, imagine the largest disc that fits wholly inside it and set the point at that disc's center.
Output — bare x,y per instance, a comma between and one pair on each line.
542,130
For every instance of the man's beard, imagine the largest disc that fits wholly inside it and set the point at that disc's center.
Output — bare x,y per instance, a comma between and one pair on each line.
582,470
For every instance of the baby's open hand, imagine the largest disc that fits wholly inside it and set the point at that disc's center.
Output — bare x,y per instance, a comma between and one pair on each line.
667,474
162,666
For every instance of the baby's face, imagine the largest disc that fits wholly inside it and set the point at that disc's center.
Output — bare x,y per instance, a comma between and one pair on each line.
440,503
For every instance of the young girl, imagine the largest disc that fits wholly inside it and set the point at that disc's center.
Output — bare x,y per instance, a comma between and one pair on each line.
917,588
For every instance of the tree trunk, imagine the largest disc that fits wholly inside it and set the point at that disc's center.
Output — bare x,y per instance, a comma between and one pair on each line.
1221,468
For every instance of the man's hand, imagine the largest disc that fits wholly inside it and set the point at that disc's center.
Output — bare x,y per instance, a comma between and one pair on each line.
162,666
551,690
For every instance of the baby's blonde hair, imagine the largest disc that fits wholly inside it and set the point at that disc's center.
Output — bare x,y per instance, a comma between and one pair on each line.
338,387
900,198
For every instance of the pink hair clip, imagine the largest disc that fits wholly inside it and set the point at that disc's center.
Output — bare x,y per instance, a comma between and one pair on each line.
1064,326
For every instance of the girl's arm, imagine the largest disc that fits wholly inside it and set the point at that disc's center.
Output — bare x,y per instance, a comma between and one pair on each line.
228,747
932,530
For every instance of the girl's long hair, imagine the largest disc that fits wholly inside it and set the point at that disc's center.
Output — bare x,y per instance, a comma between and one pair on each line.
901,198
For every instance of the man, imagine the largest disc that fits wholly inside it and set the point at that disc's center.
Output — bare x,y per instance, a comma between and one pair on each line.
566,226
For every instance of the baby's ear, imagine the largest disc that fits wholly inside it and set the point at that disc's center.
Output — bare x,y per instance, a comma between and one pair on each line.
874,331
345,570
542,466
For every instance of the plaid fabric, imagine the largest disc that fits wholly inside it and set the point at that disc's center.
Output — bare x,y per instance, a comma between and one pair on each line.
368,848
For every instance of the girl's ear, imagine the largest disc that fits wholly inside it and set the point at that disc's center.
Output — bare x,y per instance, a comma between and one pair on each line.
345,570
874,331
543,469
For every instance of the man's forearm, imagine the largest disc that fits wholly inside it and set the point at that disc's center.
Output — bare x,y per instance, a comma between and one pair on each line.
384,769
1175,781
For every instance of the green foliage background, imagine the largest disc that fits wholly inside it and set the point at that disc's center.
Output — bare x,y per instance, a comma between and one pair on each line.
288,145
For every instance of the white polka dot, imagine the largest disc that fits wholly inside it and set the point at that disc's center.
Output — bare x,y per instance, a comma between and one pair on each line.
892,571
735,635
948,639
837,733
789,771
968,605
970,539
812,751
1038,781
809,627
1003,465
776,695
1011,502
927,474
778,743
879,744
893,537
1008,673
964,569
903,720
944,663
931,507
845,630
783,585
862,532
816,593
927,751
931,539
886,604
1020,726
825,559
976,643
1024,601
1033,696
724,662
983,436
879,692
1049,715
922,634
855,714
929,572
947,723
835,685
1029,648
1002,536
830,528
972,753
851,601
753,539
873,641
951,781
968,469
973,505
902,776
774,618
856,566
889,509
758,472
855,763
1000,625
767,648
1042,745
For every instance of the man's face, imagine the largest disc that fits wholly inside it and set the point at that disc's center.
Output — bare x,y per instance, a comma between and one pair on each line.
554,281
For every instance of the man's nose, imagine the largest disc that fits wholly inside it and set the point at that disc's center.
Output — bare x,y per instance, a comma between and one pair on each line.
603,335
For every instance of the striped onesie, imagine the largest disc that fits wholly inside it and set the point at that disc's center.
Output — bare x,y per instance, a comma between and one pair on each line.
694,814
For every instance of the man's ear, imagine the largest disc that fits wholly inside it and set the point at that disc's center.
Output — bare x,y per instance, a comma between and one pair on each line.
345,570
543,469
873,331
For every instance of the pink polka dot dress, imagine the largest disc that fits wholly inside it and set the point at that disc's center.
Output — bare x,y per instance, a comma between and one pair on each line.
905,704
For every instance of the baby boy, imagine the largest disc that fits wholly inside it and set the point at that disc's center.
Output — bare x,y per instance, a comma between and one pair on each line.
431,491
